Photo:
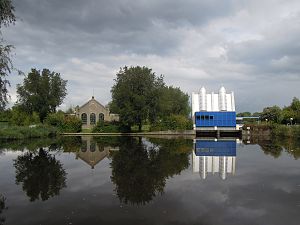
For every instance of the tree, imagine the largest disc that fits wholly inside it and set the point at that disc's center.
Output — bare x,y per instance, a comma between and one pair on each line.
41,92
135,95
7,17
173,101
244,114
272,114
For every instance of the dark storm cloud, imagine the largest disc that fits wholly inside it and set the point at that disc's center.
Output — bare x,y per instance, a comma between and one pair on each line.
121,26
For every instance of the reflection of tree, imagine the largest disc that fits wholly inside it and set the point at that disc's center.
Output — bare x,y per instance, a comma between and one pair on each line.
2,207
271,148
140,172
275,146
292,146
41,174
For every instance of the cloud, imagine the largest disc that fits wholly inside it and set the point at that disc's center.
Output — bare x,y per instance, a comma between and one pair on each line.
243,45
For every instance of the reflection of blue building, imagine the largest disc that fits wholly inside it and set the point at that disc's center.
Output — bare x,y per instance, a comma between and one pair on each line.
214,156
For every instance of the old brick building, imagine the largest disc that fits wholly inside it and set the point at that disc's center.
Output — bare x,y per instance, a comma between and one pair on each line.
92,112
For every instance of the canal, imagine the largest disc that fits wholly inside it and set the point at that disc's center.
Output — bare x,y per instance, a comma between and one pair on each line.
141,180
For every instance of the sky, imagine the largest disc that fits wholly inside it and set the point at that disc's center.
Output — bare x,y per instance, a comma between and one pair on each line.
250,47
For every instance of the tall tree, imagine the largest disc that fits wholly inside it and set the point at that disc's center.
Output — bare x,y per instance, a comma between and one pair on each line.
41,92
135,95
7,17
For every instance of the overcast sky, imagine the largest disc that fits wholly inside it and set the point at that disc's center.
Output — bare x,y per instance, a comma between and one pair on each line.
250,47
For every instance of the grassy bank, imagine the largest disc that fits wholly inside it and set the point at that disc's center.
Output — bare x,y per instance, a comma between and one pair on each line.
276,130
22,132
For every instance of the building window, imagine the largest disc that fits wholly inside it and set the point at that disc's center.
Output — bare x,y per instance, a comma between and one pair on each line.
84,118
92,118
101,117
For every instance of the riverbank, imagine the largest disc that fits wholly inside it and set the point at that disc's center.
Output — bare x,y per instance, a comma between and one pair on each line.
28,132
274,130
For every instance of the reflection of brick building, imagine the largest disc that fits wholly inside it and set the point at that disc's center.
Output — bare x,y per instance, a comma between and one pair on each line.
91,153
92,112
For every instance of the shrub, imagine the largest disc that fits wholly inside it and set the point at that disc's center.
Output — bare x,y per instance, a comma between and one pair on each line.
71,124
173,122
64,123
107,127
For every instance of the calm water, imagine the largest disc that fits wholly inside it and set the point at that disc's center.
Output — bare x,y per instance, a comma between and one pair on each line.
150,181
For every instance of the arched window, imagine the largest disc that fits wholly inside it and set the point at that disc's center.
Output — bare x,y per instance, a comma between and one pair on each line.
84,118
101,117
92,118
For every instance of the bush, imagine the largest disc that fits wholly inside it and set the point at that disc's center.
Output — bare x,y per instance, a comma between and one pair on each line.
18,117
107,127
71,124
173,122
64,123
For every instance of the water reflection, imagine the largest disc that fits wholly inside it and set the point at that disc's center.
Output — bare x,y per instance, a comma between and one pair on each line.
214,156
41,175
94,150
140,169
275,146
2,207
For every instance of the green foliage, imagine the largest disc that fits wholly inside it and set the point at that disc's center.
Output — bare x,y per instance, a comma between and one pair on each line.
244,114
64,123
272,114
107,127
135,95
6,17
140,97
173,101
41,92
21,118
21,132
173,122
291,114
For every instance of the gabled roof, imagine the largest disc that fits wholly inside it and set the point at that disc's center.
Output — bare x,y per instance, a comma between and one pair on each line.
93,99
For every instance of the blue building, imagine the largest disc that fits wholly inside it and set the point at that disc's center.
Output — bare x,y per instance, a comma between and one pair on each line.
213,111
212,119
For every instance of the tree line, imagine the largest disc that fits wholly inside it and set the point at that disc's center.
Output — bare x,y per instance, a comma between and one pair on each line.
274,114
